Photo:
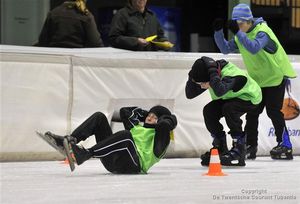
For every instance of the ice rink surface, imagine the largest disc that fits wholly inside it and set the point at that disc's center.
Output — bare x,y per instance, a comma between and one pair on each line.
172,181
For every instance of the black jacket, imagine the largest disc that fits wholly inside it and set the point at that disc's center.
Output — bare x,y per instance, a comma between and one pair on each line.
218,84
67,27
129,24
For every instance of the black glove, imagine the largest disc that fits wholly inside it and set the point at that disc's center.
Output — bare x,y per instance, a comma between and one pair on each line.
140,113
218,24
233,26
212,66
168,120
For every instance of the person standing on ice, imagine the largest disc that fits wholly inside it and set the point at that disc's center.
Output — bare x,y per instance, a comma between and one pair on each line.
268,64
233,94
133,150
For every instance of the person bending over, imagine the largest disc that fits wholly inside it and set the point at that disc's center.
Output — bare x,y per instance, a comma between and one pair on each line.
233,94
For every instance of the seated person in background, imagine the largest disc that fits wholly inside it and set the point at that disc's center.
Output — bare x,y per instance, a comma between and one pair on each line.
233,94
70,25
134,150
131,26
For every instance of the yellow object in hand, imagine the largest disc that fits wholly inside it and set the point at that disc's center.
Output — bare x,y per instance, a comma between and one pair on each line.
150,38
166,44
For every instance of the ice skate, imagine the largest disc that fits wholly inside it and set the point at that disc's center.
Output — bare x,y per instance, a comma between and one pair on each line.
80,154
251,152
236,155
219,144
55,141
68,152
281,152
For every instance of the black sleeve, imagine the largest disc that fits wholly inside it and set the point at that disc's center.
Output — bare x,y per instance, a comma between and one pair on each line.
45,34
132,116
117,34
163,128
192,89
222,86
93,37
160,31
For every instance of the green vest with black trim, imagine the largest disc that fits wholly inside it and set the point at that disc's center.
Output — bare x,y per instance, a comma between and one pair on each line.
265,68
250,92
144,142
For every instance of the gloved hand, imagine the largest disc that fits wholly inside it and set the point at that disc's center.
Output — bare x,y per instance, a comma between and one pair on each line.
218,24
212,66
233,26
140,113
169,120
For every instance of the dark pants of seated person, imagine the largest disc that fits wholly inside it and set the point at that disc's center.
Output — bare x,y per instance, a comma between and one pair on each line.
117,151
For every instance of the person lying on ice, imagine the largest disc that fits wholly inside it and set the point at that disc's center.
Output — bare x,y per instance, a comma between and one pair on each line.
131,151
233,94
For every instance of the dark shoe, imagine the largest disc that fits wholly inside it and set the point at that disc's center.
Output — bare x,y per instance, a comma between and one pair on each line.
236,155
80,154
233,158
281,152
59,139
221,145
251,151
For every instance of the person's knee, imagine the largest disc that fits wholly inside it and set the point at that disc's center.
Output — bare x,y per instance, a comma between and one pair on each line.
208,110
99,115
274,112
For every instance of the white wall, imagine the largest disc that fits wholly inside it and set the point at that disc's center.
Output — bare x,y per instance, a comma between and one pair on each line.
56,89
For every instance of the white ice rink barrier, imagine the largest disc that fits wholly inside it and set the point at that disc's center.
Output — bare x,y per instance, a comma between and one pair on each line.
57,89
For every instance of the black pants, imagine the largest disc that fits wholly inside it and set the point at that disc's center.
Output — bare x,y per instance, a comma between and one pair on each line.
272,100
117,152
231,110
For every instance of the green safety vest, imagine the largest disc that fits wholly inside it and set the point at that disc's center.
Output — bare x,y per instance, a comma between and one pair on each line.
250,92
144,141
265,68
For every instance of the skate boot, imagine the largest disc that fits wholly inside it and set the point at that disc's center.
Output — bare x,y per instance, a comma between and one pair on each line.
80,154
59,139
251,151
56,141
236,155
281,152
218,143
284,149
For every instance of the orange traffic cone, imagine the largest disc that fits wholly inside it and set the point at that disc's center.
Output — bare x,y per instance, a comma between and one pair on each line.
66,161
214,168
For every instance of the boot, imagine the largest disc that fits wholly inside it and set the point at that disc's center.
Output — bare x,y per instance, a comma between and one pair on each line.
284,149
59,139
251,151
281,152
80,154
236,155
218,143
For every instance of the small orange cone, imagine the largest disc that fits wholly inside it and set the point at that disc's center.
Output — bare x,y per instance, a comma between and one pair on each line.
214,168
66,161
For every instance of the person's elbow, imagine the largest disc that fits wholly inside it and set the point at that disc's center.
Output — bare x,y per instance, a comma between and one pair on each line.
189,94
219,93
254,51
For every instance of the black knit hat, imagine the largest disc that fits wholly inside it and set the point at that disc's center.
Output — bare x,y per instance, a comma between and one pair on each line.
199,71
159,111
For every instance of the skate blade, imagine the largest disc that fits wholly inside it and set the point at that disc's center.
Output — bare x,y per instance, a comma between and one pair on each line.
68,153
233,163
282,157
51,142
